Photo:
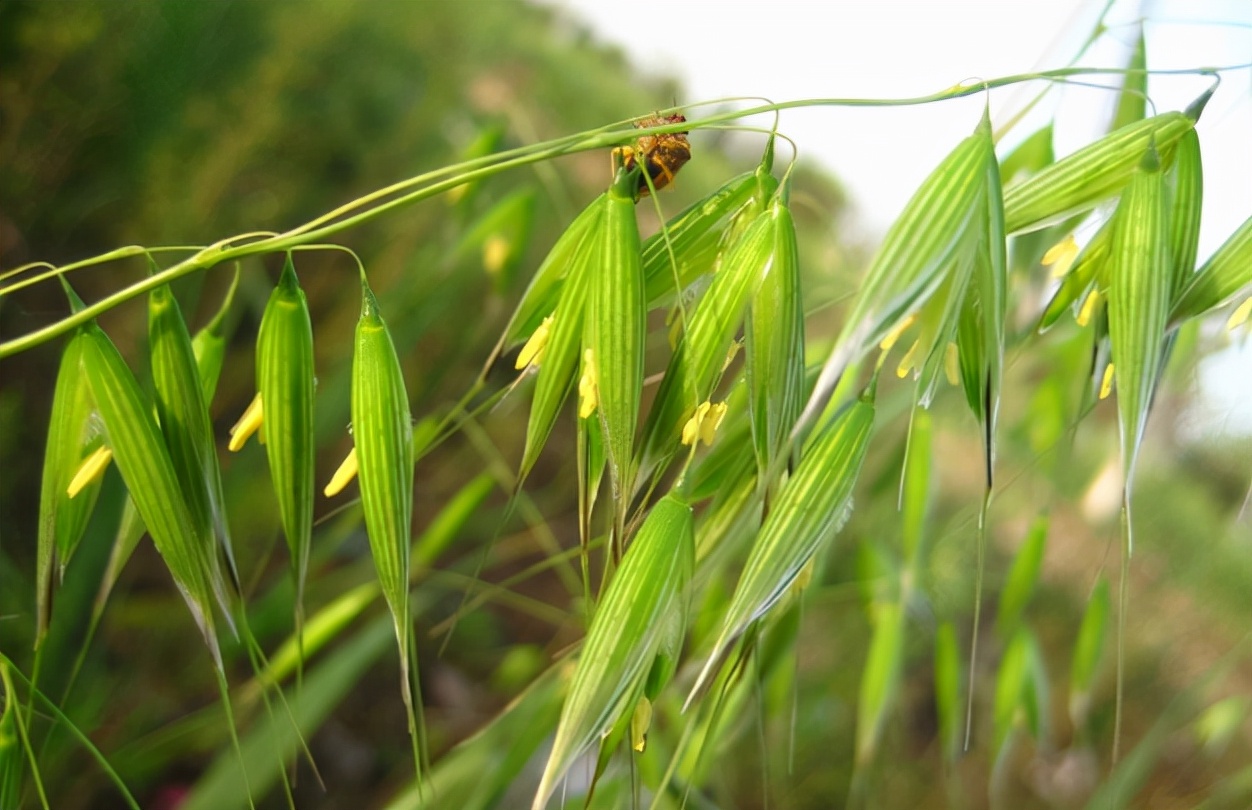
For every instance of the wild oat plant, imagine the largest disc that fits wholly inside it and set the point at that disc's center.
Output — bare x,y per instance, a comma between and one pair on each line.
733,631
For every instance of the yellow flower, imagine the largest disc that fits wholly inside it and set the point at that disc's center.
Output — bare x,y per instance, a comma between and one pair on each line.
248,424
703,424
1106,385
1060,257
588,389
532,353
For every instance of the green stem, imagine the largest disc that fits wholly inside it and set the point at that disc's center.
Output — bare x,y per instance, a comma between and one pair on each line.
429,184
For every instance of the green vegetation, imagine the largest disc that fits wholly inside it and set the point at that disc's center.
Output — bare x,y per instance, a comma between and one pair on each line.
720,512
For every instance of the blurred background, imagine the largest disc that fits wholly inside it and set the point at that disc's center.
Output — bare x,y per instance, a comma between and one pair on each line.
178,123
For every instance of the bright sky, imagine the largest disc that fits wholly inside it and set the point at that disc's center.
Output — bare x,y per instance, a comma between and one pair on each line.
794,49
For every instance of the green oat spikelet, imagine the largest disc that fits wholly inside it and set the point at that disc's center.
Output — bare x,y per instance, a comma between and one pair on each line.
71,441
625,636
615,333
285,380
183,414
805,515
144,461
382,431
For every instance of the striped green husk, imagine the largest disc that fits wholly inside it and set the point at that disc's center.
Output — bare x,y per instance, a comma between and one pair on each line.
807,512
1139,291
697,363
774,343
71,439
563,353
382,433
285,379
185,422
1227,272
615,332
627,632
1091,175
693,235
546,287
144,462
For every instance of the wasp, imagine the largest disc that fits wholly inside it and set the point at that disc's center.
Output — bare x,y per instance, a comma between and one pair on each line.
660,155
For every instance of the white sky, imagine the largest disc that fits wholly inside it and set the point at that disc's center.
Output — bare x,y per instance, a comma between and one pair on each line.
793,49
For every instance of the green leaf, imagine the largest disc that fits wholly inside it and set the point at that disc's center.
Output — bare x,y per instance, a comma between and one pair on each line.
1088,649
1022,578
879,679
1132,101
948,691
1011,681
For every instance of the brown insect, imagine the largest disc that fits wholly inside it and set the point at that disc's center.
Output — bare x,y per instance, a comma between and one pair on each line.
660,155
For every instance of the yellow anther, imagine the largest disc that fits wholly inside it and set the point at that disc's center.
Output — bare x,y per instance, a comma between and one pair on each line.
910,359
248,424
952,363
1060,257
1088,308
1240,315
588,386
703,424
896,331
1106,385
532,353
640,721
343,476
90,470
